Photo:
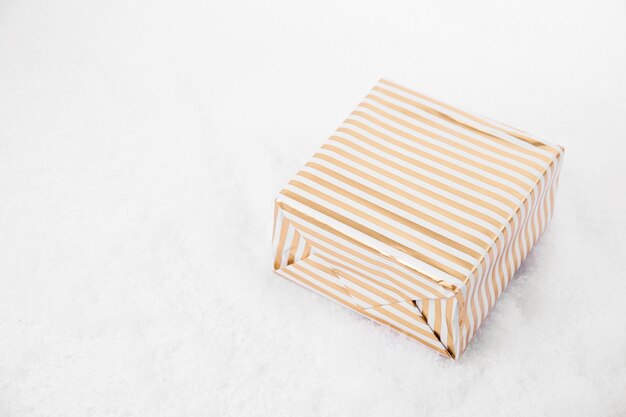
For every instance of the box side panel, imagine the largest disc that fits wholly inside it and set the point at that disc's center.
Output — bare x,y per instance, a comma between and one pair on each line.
362,282
526,227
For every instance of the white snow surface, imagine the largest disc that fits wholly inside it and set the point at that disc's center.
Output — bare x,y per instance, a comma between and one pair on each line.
142,144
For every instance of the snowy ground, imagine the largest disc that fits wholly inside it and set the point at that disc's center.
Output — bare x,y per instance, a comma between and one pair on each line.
141,146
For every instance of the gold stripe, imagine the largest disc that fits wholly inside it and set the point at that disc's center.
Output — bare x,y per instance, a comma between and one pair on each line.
443,284
491,137
307,250
398,204
343,275
449,303
320,247
433,170
471,301
437,329
481,304
281,244
490,270
517,135
389,314
374,167
440,138
425,312
275,220
413,197
527,230
460,298
519,233
488,293
375,235
476,200
289,271
478,256
527,224
293,248
417,227
408,295
470,308
436,148
365,313
403,296
383,310
516,240
333,285
373,219
481,299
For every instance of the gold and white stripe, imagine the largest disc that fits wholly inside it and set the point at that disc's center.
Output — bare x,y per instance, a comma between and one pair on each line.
416,214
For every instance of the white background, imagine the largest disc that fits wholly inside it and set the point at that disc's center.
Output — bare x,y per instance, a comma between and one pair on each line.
141,146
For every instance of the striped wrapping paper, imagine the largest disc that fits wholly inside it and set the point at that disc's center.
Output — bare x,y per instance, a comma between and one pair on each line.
416,215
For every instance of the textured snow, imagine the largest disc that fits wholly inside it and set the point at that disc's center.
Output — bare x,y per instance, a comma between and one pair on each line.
141,146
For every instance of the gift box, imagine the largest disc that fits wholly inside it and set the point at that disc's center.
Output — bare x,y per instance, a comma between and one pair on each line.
416,214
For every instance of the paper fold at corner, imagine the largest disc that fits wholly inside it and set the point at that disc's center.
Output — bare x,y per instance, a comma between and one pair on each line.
431,321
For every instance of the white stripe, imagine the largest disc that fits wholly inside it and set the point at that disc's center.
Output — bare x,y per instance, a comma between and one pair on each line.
392,267
481,126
